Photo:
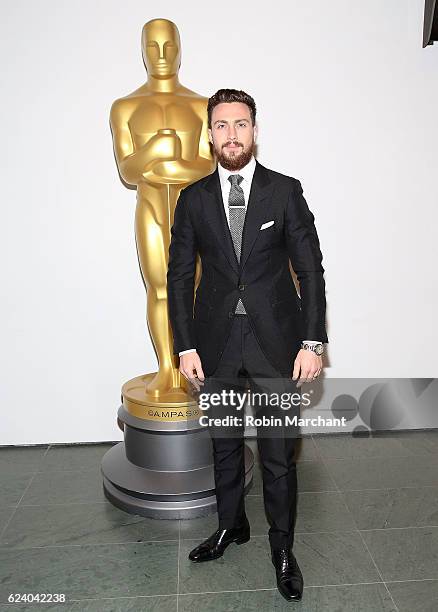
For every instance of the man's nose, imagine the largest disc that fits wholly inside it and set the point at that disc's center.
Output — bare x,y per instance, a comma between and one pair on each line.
232,134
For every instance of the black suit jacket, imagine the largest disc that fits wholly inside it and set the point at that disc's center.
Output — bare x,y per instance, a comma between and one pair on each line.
262,279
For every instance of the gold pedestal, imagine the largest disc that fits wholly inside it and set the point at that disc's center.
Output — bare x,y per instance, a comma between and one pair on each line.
175,405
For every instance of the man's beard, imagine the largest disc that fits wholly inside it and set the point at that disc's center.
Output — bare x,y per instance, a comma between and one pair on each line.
237,160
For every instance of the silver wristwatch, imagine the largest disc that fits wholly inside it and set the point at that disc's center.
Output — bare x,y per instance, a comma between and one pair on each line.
316,348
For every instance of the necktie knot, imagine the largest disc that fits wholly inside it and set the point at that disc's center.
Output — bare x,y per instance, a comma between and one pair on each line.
235,179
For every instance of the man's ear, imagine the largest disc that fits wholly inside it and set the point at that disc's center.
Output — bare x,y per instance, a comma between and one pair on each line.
210,137
255,132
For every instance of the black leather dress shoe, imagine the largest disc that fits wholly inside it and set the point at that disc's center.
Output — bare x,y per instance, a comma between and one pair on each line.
289,577
214,546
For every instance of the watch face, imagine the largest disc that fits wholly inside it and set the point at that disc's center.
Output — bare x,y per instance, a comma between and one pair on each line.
319,349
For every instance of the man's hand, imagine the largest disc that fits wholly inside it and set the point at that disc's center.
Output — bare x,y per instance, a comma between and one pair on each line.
307,366
191,368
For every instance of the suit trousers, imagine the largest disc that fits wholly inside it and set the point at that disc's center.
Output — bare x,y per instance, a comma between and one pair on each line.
244,368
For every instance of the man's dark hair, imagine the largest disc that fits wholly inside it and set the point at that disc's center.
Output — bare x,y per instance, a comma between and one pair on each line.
231,95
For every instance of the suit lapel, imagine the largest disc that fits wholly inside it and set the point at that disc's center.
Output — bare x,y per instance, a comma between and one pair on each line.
257,209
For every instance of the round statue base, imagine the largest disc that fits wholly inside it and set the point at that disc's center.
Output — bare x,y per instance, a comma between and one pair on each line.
162,495
164,468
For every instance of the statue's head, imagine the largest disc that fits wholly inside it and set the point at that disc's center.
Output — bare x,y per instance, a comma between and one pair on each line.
161,48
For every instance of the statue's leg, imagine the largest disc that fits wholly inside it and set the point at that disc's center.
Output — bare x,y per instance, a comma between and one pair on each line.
152,232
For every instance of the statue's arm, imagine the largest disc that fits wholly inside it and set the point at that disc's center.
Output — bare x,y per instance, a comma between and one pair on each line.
204,144
179,171
132,163
128,161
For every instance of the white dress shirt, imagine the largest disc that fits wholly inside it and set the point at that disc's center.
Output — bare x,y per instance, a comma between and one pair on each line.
247,172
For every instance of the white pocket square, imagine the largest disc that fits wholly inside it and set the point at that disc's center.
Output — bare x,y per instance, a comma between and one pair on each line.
267,224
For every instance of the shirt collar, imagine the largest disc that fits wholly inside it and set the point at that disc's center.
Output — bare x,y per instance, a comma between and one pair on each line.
247,171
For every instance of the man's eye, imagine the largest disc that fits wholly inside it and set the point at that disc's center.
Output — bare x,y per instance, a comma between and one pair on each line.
242,124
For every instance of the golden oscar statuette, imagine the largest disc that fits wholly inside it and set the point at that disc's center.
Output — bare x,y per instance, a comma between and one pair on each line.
161,145
164,468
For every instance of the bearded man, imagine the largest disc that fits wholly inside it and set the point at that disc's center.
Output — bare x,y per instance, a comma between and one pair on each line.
248,323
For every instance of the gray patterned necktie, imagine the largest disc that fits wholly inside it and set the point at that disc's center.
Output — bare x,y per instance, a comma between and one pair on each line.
237,211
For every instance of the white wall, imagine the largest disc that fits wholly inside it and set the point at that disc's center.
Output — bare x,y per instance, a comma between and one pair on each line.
346,99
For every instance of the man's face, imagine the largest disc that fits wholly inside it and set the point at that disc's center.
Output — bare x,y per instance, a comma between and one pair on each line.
161,49
232,134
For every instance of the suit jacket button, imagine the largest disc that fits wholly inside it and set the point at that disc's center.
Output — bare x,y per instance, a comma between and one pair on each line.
230,315
241,287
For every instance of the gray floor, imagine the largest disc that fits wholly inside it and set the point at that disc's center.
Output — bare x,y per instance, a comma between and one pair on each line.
366,535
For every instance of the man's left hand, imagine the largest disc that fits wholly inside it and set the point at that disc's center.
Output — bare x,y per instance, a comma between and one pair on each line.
307,366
